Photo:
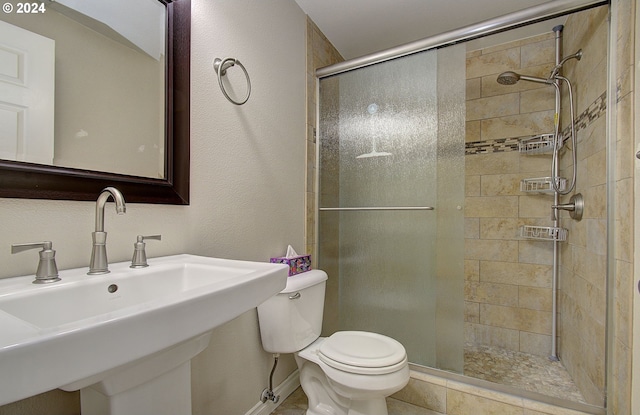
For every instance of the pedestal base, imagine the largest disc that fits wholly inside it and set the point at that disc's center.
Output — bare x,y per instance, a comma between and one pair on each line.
157,385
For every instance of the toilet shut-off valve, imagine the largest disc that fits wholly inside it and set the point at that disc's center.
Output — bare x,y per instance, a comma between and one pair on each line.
139,259
47,270
268,394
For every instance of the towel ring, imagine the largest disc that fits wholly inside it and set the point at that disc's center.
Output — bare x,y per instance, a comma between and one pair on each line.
221,66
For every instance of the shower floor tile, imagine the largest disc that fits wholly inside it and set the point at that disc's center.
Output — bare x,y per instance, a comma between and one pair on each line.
525,371
296,404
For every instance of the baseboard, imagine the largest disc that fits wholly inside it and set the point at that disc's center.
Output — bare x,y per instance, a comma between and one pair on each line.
284,389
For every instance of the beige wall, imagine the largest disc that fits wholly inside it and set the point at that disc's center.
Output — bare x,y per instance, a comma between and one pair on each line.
622,287
583,259
247,192
508,279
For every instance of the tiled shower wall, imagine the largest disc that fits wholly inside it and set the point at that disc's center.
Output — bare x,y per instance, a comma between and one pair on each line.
508,279
508,288
583,258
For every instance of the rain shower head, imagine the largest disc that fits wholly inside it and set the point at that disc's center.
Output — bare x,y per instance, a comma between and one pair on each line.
510,78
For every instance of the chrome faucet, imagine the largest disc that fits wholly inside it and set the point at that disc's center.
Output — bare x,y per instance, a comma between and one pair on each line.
99,264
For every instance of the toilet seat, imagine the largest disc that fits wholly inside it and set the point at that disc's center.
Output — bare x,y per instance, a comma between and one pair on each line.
362,353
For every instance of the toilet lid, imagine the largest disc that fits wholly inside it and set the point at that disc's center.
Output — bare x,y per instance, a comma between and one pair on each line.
362,352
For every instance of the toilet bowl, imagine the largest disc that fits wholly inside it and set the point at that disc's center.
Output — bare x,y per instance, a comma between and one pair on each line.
347,373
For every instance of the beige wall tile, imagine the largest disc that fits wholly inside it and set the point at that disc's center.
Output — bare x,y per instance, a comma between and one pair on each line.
493,62
490,293
500,184
472,228
471,270
491,206
471,312
472,131
536,53
472,185
491,336
473,90
532,205
534,321
537,344
499,228
459,403
496,163
535,298
517,125
535,252
491,250
492,107
540,99
533,275
424,394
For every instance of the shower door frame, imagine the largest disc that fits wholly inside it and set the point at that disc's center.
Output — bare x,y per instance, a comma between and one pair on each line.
493,26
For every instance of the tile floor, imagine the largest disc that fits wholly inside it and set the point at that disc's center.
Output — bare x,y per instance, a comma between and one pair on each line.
522,370
296,404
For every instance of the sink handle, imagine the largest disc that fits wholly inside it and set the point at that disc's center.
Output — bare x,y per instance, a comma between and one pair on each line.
47,270
139,259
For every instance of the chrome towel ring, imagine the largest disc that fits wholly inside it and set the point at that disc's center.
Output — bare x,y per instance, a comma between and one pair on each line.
221,66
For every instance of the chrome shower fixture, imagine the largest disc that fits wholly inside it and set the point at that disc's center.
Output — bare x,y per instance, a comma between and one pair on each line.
511,78
556,69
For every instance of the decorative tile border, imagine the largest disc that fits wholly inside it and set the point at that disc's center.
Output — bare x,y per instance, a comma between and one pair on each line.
502,145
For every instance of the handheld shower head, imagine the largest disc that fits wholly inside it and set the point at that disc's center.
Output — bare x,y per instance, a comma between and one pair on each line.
510,78
556,69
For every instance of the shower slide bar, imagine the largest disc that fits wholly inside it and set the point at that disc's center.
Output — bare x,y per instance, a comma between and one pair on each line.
377,208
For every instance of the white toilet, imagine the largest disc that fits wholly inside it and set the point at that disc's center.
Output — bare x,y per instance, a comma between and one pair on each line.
348,373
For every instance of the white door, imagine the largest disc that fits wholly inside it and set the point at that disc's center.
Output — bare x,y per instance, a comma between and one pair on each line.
27,83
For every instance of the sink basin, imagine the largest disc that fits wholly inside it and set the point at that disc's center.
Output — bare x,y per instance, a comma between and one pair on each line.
76,332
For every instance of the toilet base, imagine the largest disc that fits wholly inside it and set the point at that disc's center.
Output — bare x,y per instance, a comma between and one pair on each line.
323,401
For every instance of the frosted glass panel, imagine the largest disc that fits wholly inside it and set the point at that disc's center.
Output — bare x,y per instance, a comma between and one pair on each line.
381,147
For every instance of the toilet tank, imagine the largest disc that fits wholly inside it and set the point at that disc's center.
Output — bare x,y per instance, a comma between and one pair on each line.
292,319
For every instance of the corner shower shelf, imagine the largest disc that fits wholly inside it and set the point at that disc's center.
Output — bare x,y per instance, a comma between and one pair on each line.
546,233
542,184
539,144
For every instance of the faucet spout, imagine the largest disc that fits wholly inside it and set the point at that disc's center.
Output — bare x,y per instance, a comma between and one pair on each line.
99,263
106,193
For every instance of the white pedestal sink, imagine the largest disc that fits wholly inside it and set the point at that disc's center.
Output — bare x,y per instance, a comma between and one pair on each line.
125,339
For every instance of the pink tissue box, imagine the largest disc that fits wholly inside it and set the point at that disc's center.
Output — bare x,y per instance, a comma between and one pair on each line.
297,264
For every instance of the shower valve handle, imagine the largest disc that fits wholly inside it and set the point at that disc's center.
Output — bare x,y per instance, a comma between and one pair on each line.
575,206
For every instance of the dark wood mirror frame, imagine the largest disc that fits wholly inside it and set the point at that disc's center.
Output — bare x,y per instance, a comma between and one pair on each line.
33,181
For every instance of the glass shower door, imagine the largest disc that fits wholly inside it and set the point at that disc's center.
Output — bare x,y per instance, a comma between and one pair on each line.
390,226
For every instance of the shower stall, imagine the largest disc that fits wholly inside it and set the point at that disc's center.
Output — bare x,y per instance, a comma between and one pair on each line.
447,194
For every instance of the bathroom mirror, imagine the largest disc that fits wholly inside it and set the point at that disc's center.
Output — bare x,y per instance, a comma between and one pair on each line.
170,185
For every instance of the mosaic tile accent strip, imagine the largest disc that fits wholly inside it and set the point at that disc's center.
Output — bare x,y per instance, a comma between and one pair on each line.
596,110
501,145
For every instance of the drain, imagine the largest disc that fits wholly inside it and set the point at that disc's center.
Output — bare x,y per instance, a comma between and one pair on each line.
112,288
